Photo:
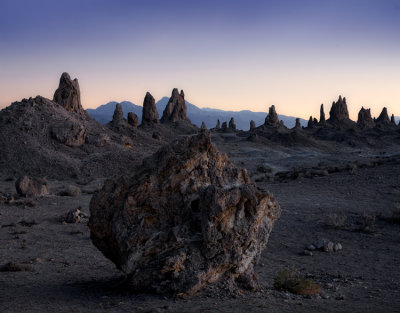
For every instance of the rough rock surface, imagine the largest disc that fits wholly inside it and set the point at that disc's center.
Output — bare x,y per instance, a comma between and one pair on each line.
118,116
364,118
339,112
322,119
232,124
133,119
149,113
272,117
186,219
69,133
176,108
31,187
252,125
68,94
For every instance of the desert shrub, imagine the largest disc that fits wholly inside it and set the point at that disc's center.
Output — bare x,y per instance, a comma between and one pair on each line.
366,223
293,282
335,220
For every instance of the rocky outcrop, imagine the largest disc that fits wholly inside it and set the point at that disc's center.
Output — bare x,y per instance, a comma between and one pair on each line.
272,117
383,118
69,133
232,124
322,119
133,119
31,187
298,125
149,113
118,120
176,108
186,219
203,126
218,126
68,94
364,118
392,120
310,123
339,112
224,126
252,125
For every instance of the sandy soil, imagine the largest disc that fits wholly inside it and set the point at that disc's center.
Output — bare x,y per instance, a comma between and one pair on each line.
68,274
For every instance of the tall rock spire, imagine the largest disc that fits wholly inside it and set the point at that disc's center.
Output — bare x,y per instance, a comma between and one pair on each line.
68,94
176,108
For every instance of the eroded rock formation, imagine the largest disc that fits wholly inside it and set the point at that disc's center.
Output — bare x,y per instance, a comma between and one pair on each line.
68,94
383,117
149,113
31,187
298,125
252,125
118,117
133,119
322,119
232,124
218,126
339,112
186,219
272,117
176,108
364,118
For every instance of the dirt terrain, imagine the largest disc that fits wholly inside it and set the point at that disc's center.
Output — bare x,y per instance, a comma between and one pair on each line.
64,272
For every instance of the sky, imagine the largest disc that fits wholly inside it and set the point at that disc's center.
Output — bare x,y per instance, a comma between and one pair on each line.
231,55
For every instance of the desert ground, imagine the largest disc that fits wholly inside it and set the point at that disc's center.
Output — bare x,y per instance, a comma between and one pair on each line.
347,196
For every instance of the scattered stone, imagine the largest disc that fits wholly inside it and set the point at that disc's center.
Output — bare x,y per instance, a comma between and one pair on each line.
156,135
272,117
73,216
69,133
31,187
71,191
133,119
176,108
149,113
337,247
328,247
186,219
68,95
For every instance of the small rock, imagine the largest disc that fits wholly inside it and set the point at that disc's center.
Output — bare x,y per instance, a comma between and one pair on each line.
73,216
337,247
328,247
307,252
311,247
28,187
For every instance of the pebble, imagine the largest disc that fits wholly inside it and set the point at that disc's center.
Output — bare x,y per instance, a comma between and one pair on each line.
311,247
307,252
337,247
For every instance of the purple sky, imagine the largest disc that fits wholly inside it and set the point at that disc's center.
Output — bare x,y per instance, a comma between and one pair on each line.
225,54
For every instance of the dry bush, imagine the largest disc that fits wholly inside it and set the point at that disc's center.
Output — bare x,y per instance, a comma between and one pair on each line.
293,282
335,220
366,223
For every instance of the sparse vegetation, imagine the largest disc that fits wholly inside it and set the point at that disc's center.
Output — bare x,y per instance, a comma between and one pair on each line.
293,282
335,220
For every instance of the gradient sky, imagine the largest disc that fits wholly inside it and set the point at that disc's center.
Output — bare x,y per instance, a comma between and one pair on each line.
295,54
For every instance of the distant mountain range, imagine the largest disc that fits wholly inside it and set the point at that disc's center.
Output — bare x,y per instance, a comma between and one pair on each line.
103,114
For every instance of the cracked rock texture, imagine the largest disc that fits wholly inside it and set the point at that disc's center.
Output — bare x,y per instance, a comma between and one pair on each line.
187,218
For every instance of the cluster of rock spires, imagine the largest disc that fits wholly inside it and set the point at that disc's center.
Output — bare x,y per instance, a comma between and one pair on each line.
186,219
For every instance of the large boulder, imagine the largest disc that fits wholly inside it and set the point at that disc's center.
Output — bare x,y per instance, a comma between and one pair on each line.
186,219
176,108
31,187
69,133
68,94
149,113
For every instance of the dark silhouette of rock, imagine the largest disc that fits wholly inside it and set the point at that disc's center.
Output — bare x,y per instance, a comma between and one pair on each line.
69,133
203,126
218,126
310,123
392,120
383,118
149,113
73,216
364,118
252,125
68,94
133,119
322,119
176,108
339,112
297,125
31,187
232,124
315,121
186,219
224,126
272,117
118,117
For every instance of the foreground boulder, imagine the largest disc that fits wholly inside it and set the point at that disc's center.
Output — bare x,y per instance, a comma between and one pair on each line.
186,219
34,187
